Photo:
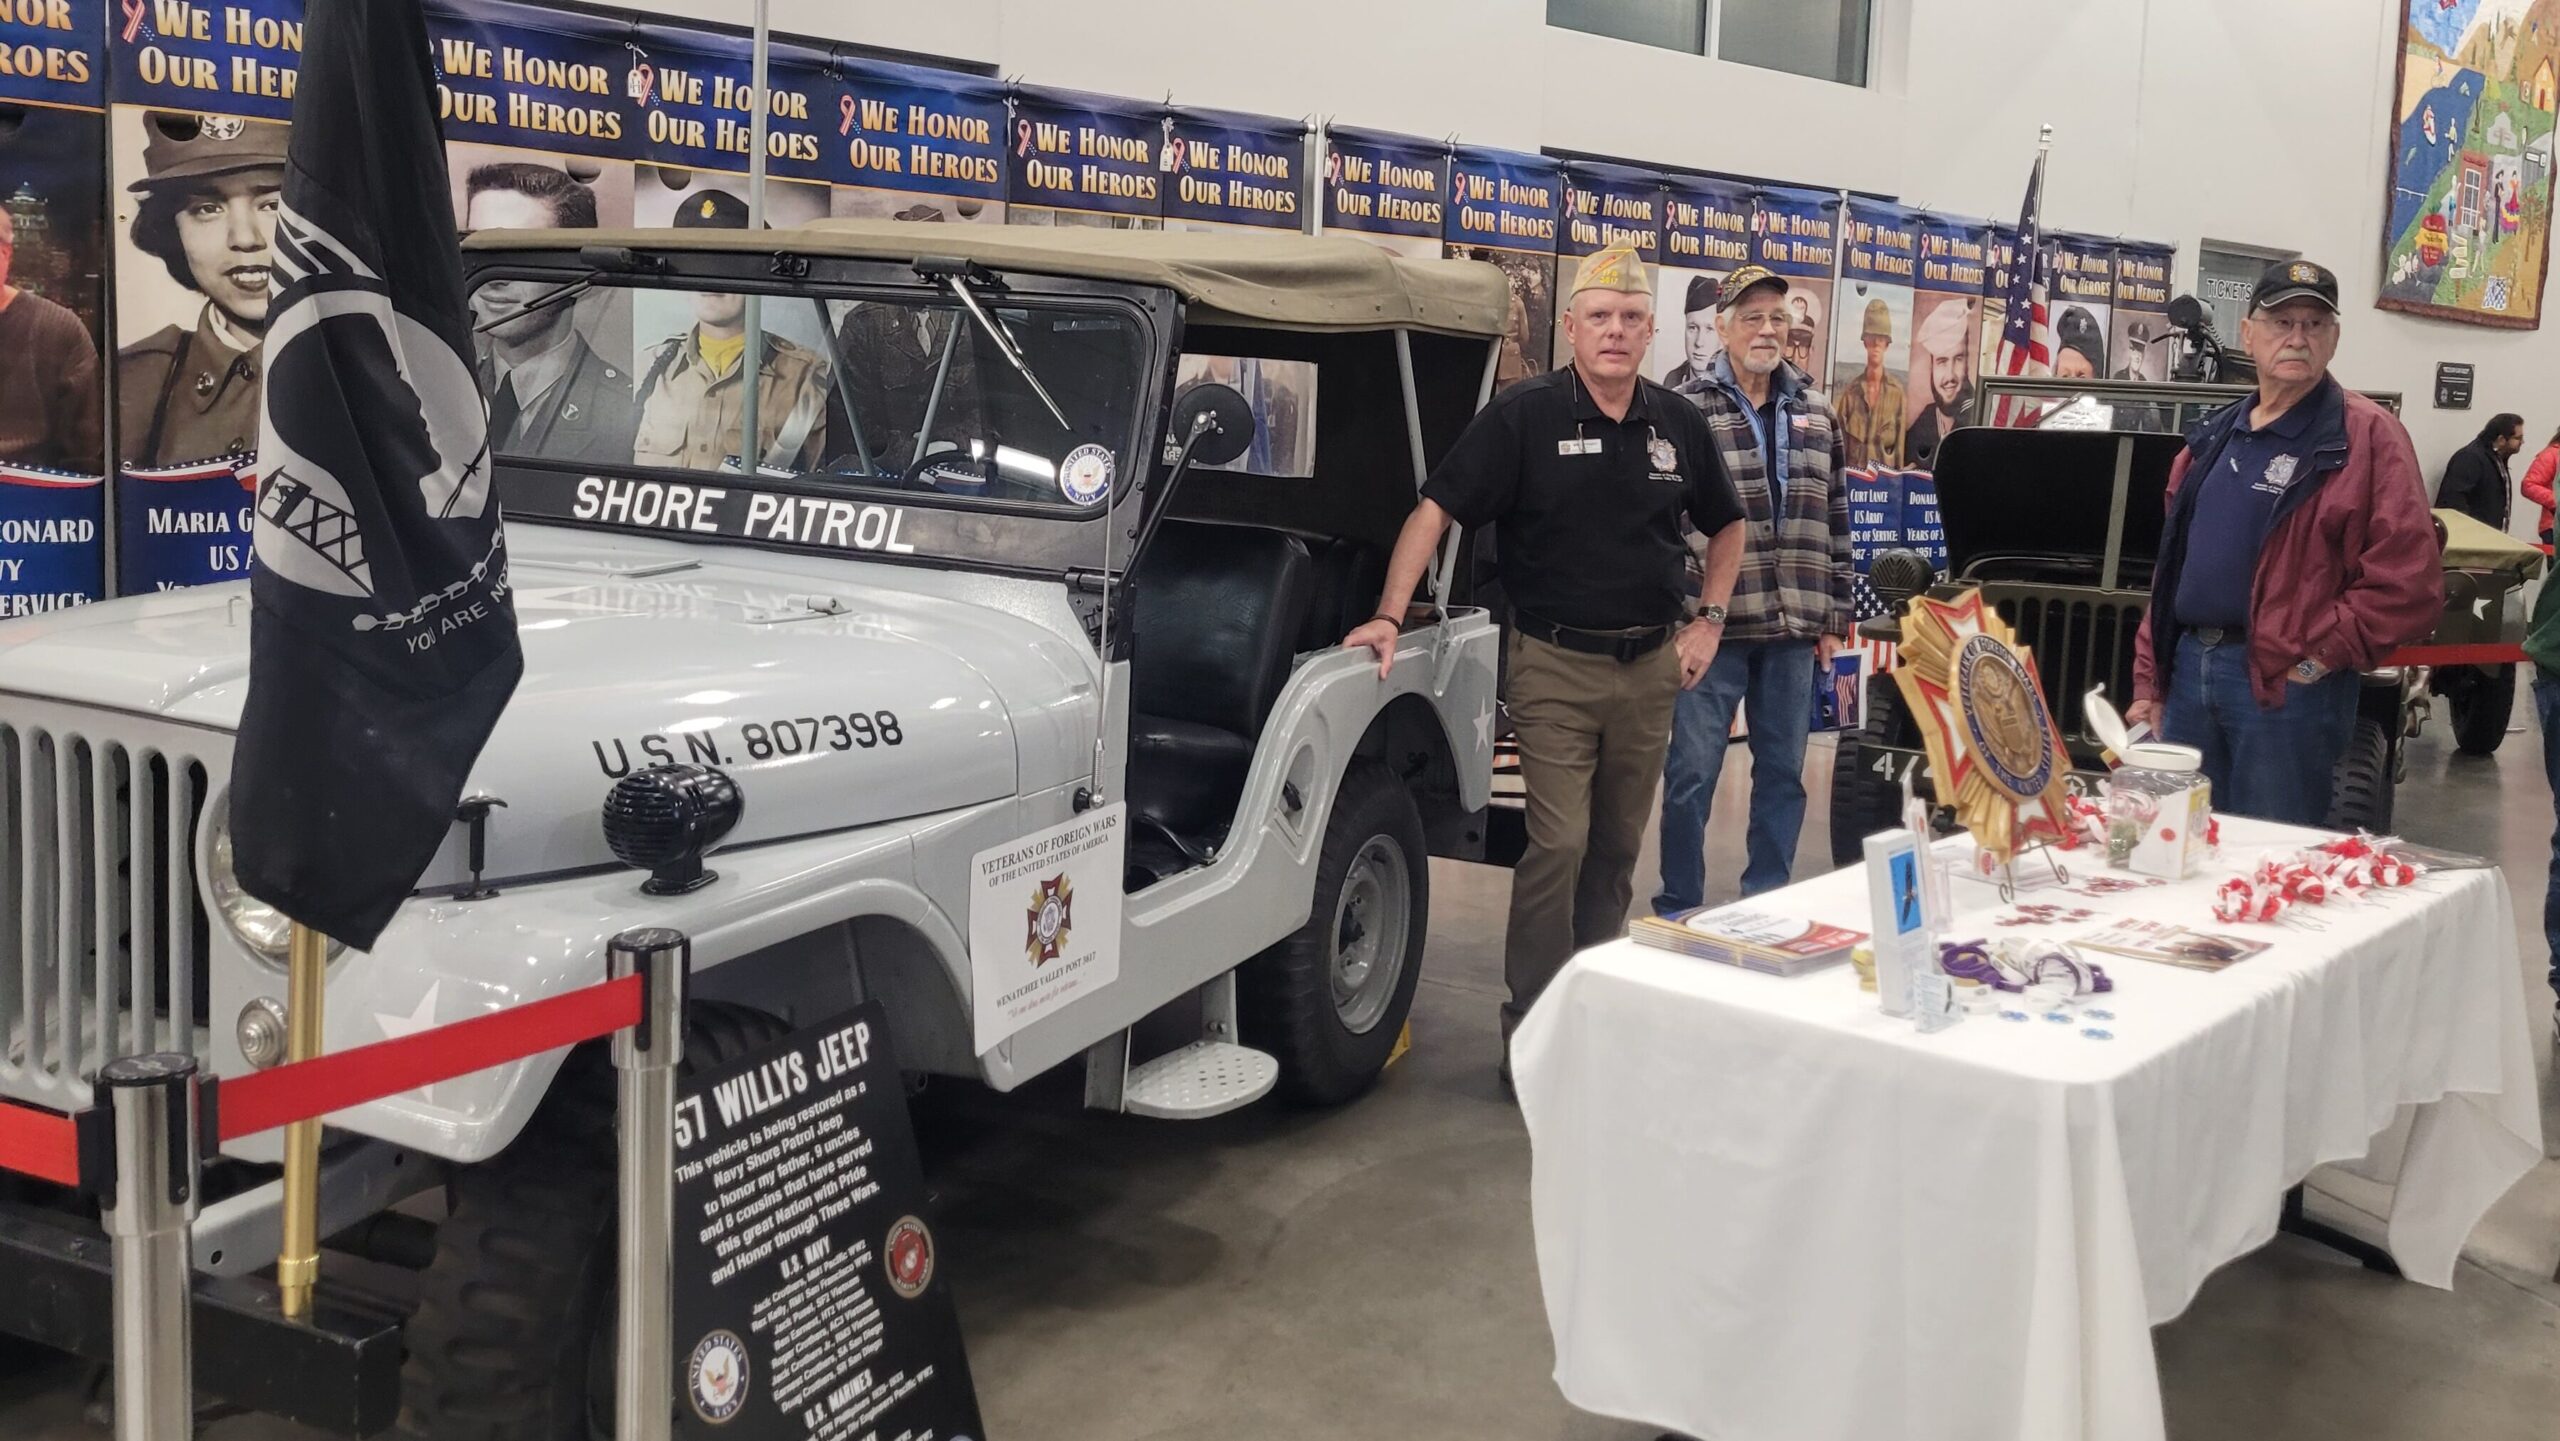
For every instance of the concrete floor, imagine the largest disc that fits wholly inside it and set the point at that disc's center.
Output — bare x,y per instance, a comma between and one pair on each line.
1368,1273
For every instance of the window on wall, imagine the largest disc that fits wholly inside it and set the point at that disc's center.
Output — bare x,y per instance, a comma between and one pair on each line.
1826,39
1671,24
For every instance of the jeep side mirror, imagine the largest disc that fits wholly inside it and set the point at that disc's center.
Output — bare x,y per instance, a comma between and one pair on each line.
1228,432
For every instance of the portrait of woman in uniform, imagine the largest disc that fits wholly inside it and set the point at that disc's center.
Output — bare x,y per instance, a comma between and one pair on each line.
206,212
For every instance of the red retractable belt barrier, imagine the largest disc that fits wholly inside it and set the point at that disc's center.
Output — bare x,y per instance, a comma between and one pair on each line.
39,1144
2484,653
268,1099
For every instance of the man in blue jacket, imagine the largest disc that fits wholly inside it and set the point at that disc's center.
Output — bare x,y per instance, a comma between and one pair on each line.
1785,452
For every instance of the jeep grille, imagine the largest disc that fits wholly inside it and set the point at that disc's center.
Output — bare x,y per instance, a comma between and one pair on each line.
104,950
2080,638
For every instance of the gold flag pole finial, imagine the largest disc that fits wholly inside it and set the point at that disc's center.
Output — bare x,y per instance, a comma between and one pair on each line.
298,1260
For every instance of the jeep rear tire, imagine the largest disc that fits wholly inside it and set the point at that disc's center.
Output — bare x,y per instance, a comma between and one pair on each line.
513,1336
2480,706
1863,802
2361,796
1331,1000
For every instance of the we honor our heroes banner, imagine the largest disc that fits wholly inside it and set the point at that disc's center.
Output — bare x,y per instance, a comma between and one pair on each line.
117,114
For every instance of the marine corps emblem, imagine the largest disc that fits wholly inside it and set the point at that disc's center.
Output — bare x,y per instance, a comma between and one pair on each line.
907,1257
1995,756
1052,913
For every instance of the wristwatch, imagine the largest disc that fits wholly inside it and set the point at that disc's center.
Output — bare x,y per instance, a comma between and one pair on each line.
1712,613
2309,671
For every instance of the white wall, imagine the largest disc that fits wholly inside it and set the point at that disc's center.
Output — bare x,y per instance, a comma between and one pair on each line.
2260,122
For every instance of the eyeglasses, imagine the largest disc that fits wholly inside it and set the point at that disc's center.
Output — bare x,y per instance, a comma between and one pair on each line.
2297,326
1750,320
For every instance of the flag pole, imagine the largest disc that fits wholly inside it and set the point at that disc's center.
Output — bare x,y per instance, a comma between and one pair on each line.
298,1258
751,368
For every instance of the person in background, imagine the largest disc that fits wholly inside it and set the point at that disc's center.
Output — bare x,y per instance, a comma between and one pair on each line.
1784,451
2475,479
1584,473
2542,647
2298,552
49,391
1698,327
2537,483
1942,361
1870,407
692,408
550,393
209,192
2079,345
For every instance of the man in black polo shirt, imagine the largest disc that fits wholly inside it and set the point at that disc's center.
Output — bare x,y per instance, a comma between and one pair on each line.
1584,473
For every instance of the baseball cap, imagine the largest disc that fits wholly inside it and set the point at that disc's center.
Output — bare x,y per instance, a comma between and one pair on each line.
1742,282
2295,280
178,147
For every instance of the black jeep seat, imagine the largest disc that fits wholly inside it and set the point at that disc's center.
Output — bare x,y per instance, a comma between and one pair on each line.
1218,612
1348,576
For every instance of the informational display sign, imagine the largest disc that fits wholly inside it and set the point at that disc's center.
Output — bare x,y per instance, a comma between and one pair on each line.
539,78
1871,332
1081,154
1922,530
2082,305
1605,206
2142,347
236,57
696,98
1393,189
50,52
182,526
810,1298
1706,235
1999,270
53,551
917,144
1795,233
1946,324
1225,168
1044,921
2453,385
1505,209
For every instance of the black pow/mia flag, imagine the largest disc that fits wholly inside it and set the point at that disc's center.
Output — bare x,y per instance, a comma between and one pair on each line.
382,641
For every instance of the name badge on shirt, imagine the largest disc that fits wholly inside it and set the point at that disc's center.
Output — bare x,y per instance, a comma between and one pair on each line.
1585,445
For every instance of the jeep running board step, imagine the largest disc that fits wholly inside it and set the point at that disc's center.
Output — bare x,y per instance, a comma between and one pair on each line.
1203,1079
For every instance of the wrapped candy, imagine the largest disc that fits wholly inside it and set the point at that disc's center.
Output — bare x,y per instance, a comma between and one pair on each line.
2238,899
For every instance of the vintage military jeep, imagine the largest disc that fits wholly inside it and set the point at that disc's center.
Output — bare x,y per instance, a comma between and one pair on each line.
1034,523
2060,530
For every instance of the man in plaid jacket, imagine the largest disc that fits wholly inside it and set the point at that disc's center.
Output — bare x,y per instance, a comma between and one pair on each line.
1786,453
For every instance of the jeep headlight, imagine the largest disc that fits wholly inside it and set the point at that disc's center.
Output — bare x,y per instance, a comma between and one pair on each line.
260,928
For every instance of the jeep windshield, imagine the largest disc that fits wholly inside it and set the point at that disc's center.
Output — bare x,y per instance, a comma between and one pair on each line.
887,420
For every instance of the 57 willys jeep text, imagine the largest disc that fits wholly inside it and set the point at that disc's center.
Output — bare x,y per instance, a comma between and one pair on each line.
1035,530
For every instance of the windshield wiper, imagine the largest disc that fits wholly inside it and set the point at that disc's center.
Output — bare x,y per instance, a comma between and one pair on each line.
951,280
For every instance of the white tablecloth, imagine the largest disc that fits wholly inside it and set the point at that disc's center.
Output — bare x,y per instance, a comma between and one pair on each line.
1767,1212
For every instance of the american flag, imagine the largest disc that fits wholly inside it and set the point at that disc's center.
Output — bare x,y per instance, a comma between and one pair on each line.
2024,347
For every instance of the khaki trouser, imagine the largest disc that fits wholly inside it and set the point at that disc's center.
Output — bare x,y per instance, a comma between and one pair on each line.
1592,734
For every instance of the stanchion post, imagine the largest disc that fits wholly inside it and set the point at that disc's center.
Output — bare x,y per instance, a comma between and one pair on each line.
306,991
644,1059
148,1212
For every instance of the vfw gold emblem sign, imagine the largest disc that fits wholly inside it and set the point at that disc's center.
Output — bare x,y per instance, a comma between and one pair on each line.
1052,914
1995,756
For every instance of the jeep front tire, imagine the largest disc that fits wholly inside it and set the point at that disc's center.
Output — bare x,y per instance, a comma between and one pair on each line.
1331,1000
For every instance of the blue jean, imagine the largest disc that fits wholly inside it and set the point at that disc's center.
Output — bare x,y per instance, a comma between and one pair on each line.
2546,709
1775,679
2276,763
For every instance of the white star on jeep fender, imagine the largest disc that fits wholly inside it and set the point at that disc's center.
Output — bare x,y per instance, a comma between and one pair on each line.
1484,726
421,1019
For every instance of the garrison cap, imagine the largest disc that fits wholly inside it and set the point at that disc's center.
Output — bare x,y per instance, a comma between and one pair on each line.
1616,268
178,147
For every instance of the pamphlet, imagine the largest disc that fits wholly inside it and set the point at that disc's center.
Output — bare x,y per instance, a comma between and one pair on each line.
1752,939
2172,945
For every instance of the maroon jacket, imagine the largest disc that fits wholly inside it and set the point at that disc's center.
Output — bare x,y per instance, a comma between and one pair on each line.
2351,570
